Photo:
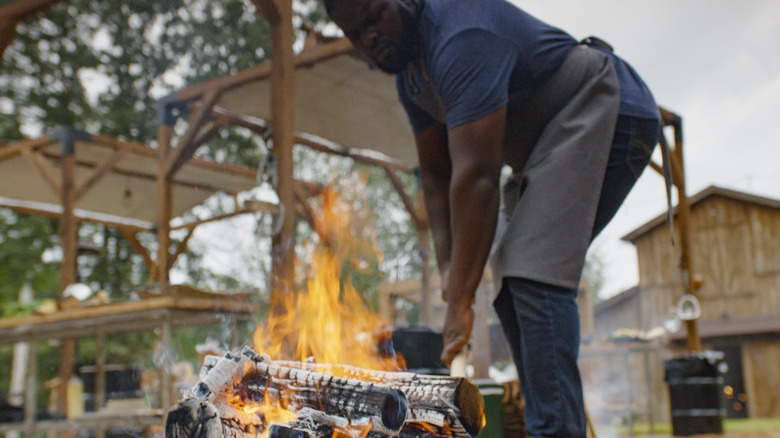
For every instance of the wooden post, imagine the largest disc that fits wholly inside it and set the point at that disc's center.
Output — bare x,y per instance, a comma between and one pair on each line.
420,219
100,378
164,198
166,382
424,247
282,129
100,370
683,209
29,391
68,235
684,224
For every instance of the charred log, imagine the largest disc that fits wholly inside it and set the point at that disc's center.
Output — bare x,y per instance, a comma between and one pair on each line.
234,393
193,419
432,399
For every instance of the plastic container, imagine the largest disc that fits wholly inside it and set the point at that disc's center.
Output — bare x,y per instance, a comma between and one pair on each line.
493,395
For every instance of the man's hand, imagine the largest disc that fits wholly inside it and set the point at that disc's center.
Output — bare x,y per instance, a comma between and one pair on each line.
457,329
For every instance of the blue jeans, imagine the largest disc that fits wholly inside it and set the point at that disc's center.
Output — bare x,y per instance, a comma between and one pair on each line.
541,321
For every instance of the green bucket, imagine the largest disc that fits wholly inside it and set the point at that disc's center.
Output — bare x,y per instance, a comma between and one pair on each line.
493,394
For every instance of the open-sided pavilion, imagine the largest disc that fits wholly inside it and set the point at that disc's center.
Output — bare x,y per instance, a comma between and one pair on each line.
324,97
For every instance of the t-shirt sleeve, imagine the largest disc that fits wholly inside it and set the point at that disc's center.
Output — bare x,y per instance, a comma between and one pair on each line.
472,73
418,117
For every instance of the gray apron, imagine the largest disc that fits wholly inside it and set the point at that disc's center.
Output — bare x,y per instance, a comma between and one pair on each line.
544,230
558,138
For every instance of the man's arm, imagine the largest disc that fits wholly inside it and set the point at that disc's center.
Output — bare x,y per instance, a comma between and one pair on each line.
475,154
435,176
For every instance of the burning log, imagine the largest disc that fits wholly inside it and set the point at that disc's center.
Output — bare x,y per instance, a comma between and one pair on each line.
246,395
439,401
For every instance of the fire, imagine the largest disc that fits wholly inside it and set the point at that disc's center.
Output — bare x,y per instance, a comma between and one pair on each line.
328,322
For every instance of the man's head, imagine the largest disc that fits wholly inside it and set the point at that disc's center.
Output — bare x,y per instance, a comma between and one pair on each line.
385,30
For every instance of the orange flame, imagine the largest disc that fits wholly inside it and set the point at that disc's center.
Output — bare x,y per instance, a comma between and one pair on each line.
329,321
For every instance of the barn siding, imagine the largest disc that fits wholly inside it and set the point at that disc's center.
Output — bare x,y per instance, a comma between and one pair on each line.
762,377
735,247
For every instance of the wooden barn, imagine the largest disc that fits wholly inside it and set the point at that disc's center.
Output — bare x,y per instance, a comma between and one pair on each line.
735,248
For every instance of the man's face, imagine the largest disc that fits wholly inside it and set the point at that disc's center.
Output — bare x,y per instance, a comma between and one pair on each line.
385,30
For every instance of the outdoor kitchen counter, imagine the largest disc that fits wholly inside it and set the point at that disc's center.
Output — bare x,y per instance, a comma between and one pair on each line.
122,317
161,312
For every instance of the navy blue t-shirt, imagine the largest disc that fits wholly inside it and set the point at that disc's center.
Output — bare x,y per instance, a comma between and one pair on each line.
477,55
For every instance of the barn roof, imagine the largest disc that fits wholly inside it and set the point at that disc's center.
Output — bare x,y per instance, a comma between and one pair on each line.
709,192
734,326
610,303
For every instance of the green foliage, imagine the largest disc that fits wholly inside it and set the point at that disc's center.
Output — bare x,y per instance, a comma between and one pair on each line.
593,273
103,67
23,242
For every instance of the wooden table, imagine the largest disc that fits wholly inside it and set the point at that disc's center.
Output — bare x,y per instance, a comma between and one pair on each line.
163,313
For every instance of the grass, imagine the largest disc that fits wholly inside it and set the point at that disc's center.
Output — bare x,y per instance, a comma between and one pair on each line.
752,425
733,425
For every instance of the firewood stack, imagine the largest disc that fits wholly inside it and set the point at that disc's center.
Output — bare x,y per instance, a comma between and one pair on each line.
322,401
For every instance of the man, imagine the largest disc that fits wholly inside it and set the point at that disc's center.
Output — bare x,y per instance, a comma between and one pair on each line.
486,85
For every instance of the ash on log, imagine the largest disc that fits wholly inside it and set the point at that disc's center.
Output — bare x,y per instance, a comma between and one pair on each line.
237,394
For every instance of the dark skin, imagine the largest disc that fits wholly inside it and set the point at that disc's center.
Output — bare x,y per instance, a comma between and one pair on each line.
460,167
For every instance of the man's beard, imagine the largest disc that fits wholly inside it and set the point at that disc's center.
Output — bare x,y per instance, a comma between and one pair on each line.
404,51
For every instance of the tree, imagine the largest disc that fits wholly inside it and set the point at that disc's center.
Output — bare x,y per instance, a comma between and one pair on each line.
593,273
102,67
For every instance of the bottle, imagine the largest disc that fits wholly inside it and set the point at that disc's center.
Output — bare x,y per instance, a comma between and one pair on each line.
75,393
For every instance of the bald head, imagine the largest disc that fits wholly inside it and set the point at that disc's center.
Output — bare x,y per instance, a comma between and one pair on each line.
385,30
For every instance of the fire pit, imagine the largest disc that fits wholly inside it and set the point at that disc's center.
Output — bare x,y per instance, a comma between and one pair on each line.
248,395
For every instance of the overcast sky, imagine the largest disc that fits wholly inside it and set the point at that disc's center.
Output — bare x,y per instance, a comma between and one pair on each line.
716,63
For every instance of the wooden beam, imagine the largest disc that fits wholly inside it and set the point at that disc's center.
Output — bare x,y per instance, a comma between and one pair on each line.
68,236
11,14
306,212
209,130
283,129
424,248
15,149
197,223
674,162
164,204
181,247
187,146
7,35
309,141
99,172
47,170
693,338
314,143
263,71
418,214
21,9
142,149
54,214
132,239
657,167
270,10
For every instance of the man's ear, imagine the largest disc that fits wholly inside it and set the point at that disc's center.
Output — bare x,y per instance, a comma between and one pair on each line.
414,5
